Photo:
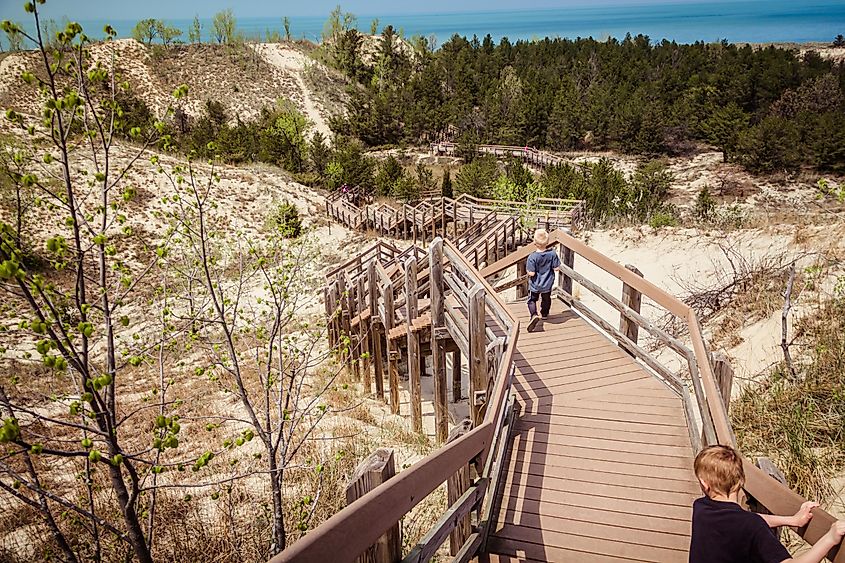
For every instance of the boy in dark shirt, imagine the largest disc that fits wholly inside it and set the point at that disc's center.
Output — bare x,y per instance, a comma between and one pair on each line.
541,266
722,532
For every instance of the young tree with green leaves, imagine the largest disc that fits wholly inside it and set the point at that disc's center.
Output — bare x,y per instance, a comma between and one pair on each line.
146,30
286,23
14,36
260,352
224,25
168,35
195,31
284,141
319,153
78,314
374,26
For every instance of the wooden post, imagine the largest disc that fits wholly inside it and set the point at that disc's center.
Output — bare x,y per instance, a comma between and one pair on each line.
364,336
377,332
327,302
343,298
478,353
521,289
354,342
455,223
392,349
457,385
438,352
724,377
768,467
369,474
413,344
404,221
443,217
337,313
568,260
433,223
456,486
633,299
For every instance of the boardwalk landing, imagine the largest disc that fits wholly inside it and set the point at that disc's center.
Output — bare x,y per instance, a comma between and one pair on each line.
601,465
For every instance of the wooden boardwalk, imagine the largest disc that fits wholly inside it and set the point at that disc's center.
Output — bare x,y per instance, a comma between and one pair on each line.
600,467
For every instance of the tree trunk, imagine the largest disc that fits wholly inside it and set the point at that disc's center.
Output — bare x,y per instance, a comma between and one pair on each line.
279,539
130,517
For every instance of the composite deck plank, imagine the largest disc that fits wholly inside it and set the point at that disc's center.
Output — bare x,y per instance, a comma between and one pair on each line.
600,467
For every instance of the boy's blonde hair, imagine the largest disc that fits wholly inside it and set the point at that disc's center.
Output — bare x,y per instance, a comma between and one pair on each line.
541,238
720,468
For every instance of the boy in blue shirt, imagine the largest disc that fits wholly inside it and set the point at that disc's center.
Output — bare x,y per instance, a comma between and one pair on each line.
541,266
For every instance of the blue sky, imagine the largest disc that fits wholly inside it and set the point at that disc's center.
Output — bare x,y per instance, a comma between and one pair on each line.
170,9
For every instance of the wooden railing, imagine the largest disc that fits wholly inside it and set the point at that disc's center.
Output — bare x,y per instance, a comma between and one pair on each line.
529,155
464,308
450,218
382,252
705,408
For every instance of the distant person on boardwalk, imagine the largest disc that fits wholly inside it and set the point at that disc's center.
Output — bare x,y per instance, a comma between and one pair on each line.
541,266
723,532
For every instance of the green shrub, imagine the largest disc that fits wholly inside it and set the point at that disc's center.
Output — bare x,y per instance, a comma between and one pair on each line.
662,218
705,203
475,177
389,173
771,145
649,188
285,219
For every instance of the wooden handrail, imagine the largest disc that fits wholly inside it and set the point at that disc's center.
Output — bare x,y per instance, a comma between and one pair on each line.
351,531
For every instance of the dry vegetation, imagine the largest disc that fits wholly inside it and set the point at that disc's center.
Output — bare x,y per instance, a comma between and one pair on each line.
799,422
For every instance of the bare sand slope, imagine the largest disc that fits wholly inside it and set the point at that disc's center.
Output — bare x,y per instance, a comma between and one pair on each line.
679,259
294,63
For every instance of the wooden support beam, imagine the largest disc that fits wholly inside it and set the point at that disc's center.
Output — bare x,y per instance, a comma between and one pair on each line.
457,384
724,374
364,335
443,217
438,321
633,299
343,302
392,348
414,372
456,486
377,333
369,474
568,260
478,353
522,288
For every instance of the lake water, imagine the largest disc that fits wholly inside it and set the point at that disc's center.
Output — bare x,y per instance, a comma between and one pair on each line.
737,21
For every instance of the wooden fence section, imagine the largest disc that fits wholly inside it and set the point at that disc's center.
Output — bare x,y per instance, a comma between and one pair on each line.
464,217
529,155
575,432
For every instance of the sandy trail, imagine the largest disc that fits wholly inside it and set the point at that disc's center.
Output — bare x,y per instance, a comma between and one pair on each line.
294,63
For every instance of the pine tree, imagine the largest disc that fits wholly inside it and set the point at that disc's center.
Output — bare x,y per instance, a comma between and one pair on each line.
724,128
446,186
